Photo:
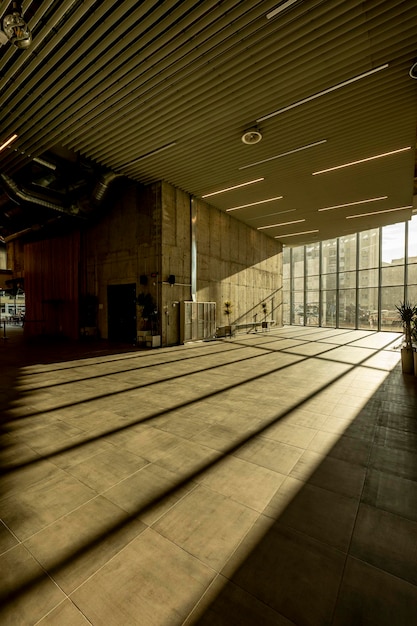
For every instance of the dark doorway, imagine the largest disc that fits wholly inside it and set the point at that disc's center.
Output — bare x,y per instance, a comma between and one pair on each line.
121,307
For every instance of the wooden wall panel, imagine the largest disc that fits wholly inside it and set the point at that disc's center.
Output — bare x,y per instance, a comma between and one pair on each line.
52,286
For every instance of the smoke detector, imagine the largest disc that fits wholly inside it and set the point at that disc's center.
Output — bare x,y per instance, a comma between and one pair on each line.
251,136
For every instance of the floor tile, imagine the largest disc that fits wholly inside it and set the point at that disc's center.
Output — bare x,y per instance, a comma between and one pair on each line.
273,455
387,542
207,525
78,544
392,493
247,483
330,473
65,614
321,514
293,574
149,493
228,604
107,468
133,588
371,596
26,592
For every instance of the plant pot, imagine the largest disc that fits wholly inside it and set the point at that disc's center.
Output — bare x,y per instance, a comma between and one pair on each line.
407,360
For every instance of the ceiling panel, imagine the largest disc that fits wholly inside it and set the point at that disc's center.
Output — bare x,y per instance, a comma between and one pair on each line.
164,90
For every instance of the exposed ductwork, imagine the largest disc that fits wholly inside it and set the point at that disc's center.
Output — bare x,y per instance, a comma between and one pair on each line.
102,187
17,193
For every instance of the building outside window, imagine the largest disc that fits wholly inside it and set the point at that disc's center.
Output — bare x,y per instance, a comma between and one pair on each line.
354,281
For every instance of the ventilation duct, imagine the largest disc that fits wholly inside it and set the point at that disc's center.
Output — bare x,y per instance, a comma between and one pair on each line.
16,193
102,187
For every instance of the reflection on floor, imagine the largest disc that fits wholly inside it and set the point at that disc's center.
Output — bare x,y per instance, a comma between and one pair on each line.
264,480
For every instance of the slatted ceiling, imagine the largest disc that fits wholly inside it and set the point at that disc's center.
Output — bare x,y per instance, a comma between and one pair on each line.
200,73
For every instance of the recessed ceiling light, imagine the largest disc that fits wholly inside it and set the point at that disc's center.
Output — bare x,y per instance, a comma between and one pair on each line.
280,8
400,208
339,206
8,142
281,224
283,154
322,93
305,232
251,136
376,156
250,182
243,206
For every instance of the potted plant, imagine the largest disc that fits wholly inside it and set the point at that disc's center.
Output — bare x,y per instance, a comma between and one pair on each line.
414,342
407,313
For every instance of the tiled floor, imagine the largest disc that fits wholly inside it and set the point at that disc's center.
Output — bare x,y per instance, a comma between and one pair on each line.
264,480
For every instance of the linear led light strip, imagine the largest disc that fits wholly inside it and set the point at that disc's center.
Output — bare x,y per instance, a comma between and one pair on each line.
305,232
250,182
281,224
323,93
8,142
340,206
278,156
243,206
400,208
372,158
261,217
281,8
149,154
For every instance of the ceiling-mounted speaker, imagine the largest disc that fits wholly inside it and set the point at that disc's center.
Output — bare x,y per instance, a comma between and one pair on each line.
252,135
143,279
171,279
413,70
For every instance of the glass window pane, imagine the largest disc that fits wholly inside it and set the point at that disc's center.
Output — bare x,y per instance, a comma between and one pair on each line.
328,309
368,308
312,308
412,294
347,280
298,308
298,261
368,278
329,256
328,281
412,240
390,297
369,249
392,275
286,259
313,282
412,274
298,284
347,308
313,259
347,253
392,245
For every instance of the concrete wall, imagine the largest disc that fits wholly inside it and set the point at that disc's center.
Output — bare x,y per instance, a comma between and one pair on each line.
122,246
234,263
149,232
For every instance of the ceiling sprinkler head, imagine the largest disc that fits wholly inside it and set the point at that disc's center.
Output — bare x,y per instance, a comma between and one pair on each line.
251,136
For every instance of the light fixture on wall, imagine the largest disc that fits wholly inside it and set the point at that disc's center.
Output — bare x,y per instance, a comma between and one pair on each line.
15,29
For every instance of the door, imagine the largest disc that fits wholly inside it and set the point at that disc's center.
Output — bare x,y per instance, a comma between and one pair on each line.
121,311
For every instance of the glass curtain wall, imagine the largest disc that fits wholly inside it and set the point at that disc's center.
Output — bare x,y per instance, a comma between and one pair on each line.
354,281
